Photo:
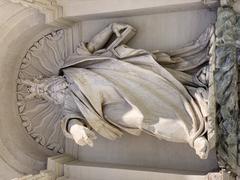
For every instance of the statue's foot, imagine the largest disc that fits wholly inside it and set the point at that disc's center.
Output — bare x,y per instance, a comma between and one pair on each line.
201,147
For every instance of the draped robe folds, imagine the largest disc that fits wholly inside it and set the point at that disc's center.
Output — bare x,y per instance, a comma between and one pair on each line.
136,91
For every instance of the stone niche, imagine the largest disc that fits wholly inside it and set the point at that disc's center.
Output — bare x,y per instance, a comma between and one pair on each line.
164,31
160,25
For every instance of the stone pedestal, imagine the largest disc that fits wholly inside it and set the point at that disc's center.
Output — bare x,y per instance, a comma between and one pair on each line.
64,167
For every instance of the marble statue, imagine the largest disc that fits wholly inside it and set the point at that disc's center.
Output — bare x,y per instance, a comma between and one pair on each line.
109,88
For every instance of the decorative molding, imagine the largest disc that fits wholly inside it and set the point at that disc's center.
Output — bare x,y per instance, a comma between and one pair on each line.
51,9
43,175
212,97
55,169
221,175
55,164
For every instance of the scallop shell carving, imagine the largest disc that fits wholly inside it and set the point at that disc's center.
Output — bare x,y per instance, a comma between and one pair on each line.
41,118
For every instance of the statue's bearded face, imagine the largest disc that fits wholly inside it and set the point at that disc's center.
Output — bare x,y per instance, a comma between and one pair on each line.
52,89
36,89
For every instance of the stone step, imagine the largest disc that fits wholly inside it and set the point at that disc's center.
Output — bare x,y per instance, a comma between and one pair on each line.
98,171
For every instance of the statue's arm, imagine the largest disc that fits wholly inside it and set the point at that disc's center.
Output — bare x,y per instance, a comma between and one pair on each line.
99,40
80,133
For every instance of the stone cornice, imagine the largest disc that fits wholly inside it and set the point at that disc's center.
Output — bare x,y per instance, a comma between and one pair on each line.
53,12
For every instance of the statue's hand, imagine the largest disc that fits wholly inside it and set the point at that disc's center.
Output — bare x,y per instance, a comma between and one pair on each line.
82,135
117,27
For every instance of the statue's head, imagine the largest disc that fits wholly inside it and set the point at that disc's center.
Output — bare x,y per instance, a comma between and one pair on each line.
52,89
